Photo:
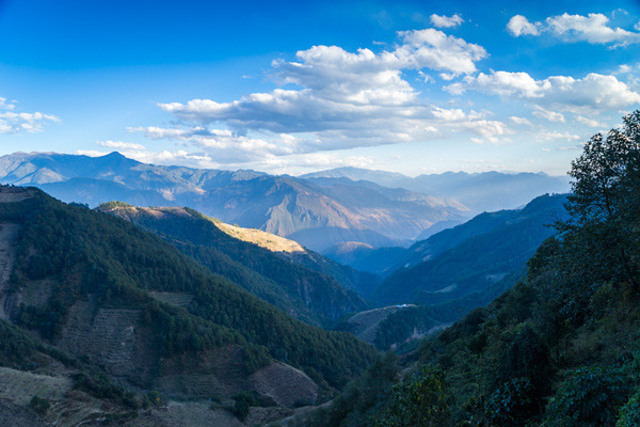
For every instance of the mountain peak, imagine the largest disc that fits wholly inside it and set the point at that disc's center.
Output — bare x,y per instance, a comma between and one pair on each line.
115,155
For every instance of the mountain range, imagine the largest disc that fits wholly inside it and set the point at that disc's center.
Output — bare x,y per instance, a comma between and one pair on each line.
439,280
489,250
479,192
318,212
169,300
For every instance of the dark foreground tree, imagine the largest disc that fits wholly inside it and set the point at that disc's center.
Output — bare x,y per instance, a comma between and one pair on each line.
604,203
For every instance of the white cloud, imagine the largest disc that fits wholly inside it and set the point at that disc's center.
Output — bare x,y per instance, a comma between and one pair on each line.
552,116
426,77
631,74
333,99
229,147
442,21
520,121
180,157
593,28
341,90
15,123
91,153
551,135
6,105
121,145
499,83
519,25
590,122
434,49
488,129
224,145
595,92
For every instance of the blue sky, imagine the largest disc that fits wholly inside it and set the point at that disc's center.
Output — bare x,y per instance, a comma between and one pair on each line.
292,87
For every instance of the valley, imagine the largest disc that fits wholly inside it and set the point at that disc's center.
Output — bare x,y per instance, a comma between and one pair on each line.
111,322
319,214
107,324
230,324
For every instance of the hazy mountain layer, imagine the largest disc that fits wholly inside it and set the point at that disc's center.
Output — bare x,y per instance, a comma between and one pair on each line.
472,257
486,191
317,216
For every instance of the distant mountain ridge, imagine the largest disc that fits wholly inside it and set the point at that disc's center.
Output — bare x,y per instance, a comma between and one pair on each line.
317,216
484,191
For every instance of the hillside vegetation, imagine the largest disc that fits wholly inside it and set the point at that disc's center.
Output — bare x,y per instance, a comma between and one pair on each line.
560,349
93,271
471,257
303,293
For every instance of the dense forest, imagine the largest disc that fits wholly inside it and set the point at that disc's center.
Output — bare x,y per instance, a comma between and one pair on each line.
559,349
305,294
88,255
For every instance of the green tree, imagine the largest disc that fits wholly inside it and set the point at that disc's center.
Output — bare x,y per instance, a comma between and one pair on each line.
588,397
604,201
422,401
630,413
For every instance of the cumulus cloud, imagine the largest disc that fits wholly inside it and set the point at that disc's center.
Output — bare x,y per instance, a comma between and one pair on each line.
551,135
91,153
442,21
593,28
519,25
121,145
224,145
12,122
595,92
590,122
7,105
330,99
520,121
552,116
229,147
342,92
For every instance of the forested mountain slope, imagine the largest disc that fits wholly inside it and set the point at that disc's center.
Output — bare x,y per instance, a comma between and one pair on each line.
129,304
473,256
561,348
301,292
